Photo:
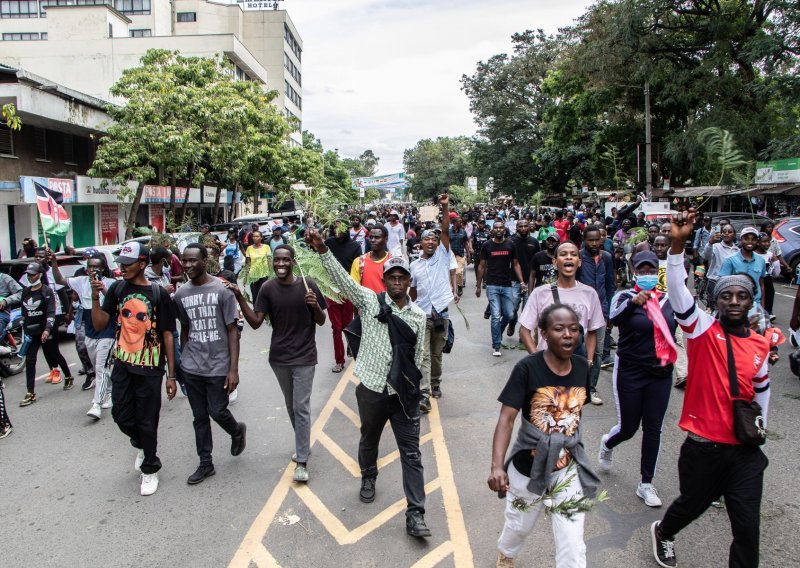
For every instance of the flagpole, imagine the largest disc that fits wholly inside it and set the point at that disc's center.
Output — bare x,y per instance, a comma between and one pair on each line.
39,215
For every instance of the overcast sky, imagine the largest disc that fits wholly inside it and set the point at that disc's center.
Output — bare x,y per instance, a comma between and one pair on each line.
383,74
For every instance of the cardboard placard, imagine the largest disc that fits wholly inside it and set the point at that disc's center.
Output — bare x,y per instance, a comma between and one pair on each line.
428,213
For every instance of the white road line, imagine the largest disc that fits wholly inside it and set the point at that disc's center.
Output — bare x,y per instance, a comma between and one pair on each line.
39,378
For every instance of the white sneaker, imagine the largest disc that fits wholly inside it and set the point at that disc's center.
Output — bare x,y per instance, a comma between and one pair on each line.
149,483
106,404
595,399
648,494
95,412
605,455
137,465
496,353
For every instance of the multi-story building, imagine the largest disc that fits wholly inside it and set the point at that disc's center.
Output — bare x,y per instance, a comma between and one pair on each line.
86,44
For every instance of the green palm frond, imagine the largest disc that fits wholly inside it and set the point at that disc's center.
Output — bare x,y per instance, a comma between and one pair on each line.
722,151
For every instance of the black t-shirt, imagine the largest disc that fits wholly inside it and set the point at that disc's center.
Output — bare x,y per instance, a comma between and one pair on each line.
139,326
545,269
294,330
526,250
498,257
548,401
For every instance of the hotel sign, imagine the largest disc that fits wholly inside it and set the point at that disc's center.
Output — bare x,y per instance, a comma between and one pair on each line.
248,5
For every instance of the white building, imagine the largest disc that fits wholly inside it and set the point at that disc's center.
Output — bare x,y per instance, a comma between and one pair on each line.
86,44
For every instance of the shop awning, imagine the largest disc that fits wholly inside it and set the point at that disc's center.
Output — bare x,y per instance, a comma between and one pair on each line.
700,191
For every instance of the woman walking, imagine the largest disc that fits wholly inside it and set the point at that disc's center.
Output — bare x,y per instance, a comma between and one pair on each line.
643,367
257,260
550,388
39,316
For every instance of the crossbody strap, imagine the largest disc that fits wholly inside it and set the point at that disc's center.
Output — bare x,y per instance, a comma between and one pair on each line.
733,377
554,290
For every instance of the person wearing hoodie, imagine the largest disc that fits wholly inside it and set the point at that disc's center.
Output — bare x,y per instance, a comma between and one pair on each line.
346,250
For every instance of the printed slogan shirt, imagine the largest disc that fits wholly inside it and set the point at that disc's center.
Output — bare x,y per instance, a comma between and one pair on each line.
208,310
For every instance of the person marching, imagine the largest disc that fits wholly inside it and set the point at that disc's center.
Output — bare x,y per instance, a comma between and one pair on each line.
346,250
295,308
145,323
547,451
527,249
257,261
642,374
381,395
39,324
367,269
726,362
208,314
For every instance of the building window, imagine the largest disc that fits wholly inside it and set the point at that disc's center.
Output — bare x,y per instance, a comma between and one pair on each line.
6,141
40,143
141,33
22,36
18,9
294,71
187,16
45,3
44,36
292,95
69,149
295,47
133,7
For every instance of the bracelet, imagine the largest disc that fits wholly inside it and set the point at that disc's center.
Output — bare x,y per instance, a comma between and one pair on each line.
171,378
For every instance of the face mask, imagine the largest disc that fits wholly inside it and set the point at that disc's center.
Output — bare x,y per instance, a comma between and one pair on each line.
647,281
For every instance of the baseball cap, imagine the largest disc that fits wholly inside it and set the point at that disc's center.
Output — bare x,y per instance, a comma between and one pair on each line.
453,214
396,262
553,235
645,257
429,233
132,252
749,231
35,268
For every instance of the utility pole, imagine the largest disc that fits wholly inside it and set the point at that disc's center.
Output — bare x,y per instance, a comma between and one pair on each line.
648,160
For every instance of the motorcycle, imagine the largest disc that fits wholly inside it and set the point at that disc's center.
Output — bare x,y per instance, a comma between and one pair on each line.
11,343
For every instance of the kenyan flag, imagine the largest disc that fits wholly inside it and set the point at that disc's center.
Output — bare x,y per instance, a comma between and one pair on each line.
55,220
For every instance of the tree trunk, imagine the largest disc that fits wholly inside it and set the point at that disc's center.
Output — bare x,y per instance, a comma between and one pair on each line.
185,204
233,201
172,194
216,200
137,199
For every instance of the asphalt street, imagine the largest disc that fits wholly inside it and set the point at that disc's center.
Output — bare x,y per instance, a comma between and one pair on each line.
69,495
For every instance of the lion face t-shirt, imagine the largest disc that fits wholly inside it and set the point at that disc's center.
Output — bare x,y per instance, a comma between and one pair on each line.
551,403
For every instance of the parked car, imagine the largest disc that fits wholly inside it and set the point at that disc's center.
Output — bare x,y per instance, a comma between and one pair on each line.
108,251
68,265
739,219
787,234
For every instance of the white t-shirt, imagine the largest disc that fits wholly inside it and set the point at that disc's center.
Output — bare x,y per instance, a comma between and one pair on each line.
83,288
396,234
582,298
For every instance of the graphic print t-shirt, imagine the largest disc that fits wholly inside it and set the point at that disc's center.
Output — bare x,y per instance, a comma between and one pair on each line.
139,326
207,310
499,257
545,269
551,403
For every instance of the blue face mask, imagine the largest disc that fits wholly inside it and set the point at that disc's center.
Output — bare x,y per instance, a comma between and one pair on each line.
647,281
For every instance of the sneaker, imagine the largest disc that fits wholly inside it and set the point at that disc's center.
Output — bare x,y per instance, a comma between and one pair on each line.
300,474
487,315
202,471
648,494
605,455
149,484
137,464
510,329
425,405
68,383
436,391
5,430
106,404
367,493
680,383
607,363
504,561
415,525
88,383
95,412
496,353
54,377
663,549
239,442
29,399
82,372
595,399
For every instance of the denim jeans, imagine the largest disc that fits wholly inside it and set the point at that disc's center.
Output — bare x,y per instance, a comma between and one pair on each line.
519,300
208,399
501,304
374,409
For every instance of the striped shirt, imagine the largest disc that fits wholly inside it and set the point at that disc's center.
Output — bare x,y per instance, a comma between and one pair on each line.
375,352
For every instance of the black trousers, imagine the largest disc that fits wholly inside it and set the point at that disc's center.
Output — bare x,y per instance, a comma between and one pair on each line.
208,399
137,404
768,294
707,471
4,418
52,355
375,408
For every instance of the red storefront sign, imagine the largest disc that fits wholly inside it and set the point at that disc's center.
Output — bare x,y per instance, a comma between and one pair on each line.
157,217
109,223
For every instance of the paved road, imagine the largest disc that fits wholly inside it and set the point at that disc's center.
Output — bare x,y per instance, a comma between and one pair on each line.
69,495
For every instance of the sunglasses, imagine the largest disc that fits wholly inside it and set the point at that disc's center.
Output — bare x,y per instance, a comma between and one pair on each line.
127,314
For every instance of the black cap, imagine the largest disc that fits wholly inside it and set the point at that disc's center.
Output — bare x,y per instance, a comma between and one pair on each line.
645,257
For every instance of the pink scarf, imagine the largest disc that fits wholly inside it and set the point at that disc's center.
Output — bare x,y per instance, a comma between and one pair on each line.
666,350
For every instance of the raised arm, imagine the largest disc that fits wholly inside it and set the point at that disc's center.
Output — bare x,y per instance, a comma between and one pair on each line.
679,295
360,297
444,201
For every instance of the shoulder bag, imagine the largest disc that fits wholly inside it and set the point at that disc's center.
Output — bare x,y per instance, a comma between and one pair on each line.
748,418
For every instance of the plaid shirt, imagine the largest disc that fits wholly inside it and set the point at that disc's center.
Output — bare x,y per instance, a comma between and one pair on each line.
375,352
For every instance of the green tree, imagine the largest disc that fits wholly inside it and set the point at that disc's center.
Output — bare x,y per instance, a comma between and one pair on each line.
435,165
9,115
